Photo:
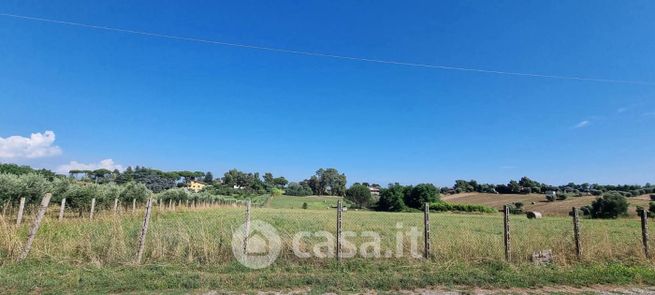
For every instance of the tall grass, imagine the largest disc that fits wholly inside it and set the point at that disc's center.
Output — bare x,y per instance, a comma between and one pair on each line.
203,237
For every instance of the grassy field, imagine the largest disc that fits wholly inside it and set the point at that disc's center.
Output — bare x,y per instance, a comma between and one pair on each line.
313,202
557,208
192,249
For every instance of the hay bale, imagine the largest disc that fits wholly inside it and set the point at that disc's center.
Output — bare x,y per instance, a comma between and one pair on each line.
533,215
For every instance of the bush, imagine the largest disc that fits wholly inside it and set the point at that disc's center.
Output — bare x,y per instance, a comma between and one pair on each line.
79,196
444,206
296,189
586,210
174,194
611,205
652,197
359,194
562,196
134,190
277,191
304,205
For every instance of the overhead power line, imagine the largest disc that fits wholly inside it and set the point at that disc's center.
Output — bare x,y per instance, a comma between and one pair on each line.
326,55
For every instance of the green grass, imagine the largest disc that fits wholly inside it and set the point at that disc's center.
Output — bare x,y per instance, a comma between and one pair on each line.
56,278
192,249
313,202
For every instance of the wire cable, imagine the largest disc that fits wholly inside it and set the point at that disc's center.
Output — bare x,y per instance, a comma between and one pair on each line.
327,55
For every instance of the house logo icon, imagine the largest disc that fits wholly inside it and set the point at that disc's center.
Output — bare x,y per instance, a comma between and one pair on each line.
258,246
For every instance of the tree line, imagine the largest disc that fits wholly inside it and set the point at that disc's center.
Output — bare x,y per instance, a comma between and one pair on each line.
526,186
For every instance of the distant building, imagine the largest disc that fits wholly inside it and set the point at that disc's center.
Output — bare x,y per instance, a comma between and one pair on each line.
374,190
196,186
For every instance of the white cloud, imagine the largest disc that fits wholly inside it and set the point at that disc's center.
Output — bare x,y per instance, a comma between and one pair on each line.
75,165
582,124
38,145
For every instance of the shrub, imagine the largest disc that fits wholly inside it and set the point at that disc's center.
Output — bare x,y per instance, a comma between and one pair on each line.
652,197
611,205
514,210
562,196
277,191
175,194
586,210
359,194
304,205
134,190
444,206
79,195
296,189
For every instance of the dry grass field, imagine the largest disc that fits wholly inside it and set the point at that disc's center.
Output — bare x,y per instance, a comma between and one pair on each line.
557,208
191,249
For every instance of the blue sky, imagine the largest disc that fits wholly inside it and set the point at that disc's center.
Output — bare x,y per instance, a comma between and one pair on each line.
172,104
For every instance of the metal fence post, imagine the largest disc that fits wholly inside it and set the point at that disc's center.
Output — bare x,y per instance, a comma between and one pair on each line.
506,237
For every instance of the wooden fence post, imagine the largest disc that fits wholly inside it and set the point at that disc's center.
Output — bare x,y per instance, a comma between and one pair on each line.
115,206
247,228
4,208
133,205
21,208
426,232
93,207
62,208
339,229
506,236
35,226
144,231
576,232
644,231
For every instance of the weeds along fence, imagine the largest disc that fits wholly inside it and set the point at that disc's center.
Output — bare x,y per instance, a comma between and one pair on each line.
202,234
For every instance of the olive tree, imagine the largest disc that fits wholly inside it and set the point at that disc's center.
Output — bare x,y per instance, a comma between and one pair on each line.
33,186
175,195
134,190
9,190
79,196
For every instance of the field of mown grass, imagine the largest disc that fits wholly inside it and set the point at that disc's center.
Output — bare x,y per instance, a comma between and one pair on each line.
313,202
192,249
557,208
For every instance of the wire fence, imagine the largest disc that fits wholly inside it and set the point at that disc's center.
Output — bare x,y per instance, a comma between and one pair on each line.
204,232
